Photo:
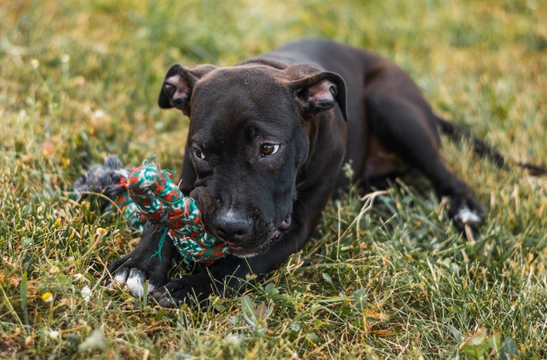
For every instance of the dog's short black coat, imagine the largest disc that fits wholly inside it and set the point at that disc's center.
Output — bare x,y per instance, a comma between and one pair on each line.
266,145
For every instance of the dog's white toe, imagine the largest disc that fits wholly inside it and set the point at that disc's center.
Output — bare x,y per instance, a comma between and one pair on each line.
120,277
467,216
136,281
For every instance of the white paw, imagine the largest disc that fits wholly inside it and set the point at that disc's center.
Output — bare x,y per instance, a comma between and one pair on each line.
467,216
135,281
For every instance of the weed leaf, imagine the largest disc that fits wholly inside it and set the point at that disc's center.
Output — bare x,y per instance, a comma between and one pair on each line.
360,299
509,350
476,344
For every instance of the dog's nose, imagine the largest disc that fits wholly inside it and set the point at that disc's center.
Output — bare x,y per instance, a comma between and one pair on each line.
231,227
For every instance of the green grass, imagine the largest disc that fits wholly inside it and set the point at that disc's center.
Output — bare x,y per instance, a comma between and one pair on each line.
79,80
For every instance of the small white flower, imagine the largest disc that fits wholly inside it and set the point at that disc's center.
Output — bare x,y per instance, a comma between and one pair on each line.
94,341
98,114
53,334
65,58
86,293
232,339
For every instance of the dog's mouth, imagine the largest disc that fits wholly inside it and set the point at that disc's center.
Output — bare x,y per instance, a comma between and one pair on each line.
245,251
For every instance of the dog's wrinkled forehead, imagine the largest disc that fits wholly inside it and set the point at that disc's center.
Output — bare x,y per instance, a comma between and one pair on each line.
245,77
241,94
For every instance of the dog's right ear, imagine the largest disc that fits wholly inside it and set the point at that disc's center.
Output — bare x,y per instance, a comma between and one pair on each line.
178,85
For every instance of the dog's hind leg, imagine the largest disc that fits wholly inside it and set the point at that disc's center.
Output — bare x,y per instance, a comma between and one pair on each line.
403,126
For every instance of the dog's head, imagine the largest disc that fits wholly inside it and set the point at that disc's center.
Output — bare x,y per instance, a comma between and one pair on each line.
248,139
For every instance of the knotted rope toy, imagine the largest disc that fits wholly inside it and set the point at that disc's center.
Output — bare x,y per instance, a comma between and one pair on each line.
148,194
161,202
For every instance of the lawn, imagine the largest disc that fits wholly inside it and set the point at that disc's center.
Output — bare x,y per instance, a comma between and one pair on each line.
79,80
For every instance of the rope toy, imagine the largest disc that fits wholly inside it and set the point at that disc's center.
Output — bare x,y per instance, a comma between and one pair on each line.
147,194
161,202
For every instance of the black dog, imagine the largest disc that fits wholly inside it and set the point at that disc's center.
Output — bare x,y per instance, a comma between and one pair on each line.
266,145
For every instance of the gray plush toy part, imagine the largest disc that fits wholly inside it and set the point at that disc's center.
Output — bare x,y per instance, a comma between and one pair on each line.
102,179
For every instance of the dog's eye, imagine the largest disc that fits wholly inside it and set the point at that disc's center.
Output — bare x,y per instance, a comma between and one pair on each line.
269,149
199,154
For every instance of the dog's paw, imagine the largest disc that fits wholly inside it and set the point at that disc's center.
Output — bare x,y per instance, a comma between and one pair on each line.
226,277
137,274
139,271
135,280
144,267
196,287
466,211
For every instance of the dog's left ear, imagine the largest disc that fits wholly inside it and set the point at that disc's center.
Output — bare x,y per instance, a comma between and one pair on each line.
178,85
316,91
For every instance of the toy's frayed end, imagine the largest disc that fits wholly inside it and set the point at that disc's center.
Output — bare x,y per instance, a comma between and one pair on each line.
154,164
152,161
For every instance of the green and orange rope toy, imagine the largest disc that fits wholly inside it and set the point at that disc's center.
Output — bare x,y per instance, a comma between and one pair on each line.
148,195
161,203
